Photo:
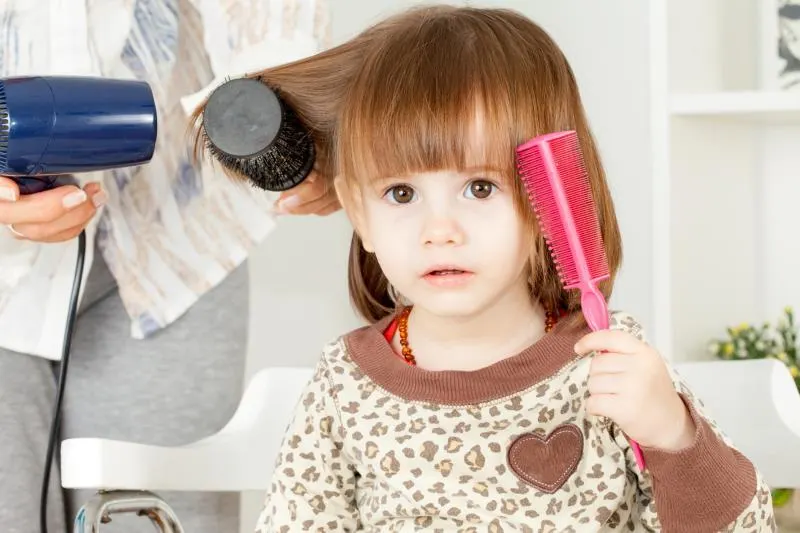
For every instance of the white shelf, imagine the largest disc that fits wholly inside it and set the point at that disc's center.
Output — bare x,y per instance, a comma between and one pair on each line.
724,161
761,106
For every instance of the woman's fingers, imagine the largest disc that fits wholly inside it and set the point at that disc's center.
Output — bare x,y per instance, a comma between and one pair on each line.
42,207
331,207
66,235
9,191
67,224
315,196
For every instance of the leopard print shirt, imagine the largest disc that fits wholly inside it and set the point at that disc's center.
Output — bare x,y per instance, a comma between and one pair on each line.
377,445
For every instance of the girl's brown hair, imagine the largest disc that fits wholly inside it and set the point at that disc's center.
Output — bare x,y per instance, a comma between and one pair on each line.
407,95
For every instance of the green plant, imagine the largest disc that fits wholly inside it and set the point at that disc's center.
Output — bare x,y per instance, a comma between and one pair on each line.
760,342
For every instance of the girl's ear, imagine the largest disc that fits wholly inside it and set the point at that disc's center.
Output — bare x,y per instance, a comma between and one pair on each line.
351,201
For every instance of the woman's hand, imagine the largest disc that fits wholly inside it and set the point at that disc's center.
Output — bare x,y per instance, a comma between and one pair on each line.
55,215
314,196
630,384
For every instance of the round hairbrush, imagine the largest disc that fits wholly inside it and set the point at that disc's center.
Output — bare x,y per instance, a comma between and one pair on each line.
255,135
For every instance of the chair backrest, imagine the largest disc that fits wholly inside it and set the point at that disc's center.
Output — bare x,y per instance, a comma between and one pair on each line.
757,405
257,428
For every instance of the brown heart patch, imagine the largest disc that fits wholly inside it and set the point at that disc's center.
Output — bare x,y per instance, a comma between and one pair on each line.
547,462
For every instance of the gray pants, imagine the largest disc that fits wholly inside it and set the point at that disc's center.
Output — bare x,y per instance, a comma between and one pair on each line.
176,387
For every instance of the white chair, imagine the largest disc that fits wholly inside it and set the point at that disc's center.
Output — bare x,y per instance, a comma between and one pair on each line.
754,402
240,457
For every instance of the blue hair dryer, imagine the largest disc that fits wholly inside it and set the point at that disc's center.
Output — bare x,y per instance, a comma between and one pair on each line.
55,126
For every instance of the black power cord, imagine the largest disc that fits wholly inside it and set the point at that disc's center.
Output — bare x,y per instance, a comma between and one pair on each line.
55,426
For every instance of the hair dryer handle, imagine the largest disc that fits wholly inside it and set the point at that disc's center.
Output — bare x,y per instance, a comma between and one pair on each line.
32,185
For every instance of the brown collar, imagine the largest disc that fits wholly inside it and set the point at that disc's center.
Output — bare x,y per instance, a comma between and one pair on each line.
375,356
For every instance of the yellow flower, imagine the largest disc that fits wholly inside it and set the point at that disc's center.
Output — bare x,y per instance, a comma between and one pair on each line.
787,309
783,357
738,330
794,371
727,348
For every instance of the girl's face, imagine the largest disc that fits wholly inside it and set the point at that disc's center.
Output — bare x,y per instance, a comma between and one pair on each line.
451,242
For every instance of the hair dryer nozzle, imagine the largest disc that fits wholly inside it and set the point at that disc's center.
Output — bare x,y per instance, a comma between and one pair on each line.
51,125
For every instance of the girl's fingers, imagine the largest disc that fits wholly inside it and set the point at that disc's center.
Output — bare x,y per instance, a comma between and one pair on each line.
608,340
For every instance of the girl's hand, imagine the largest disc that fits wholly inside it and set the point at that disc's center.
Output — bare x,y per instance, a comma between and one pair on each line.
630,384
54,215
315,196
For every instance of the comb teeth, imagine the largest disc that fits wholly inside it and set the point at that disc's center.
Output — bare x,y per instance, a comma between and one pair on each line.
578,252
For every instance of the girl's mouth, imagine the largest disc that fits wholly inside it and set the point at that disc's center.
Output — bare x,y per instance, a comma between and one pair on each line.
447,276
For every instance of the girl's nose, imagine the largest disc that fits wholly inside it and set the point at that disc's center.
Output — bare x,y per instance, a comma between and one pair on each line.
442,231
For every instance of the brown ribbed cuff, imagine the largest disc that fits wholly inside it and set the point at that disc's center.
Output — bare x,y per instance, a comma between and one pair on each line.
701,488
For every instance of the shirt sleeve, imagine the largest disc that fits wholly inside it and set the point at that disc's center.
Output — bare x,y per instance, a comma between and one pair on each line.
17,258
241,39
313,484
709,486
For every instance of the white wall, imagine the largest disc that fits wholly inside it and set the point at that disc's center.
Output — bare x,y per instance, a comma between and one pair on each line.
299,289
779,217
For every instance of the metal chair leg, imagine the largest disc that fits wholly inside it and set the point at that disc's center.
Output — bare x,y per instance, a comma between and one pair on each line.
99,509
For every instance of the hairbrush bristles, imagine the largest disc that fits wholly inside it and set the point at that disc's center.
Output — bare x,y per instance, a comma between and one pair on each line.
256,136
552,169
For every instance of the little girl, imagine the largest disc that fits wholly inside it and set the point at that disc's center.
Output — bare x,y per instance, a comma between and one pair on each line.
476,399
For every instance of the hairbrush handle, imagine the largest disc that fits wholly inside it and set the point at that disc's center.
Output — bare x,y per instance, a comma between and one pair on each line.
594,307
595,311
637,453
35,184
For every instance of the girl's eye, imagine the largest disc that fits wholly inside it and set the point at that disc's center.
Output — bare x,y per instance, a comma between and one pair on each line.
480,189
400,194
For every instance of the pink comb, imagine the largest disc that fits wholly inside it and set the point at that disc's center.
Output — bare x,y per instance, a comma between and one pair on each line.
554,174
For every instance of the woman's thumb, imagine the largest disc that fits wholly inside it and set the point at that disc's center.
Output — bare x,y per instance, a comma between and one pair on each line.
9,191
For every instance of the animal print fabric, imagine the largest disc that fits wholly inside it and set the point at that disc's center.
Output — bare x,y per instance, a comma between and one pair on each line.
360,457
